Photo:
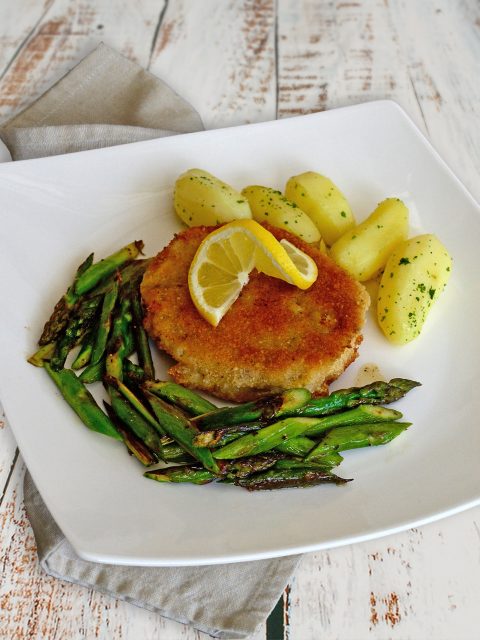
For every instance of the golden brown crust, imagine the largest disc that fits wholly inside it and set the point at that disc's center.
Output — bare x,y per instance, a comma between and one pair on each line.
274,336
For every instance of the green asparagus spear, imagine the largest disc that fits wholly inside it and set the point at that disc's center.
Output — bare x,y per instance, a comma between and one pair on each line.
265,409
93,278
231,436
120,343
179,427
129,338
293,403
173,452
61,313
128,276
134,445
375,393
84,356
280,432
132,419
141,339
198,475
247,466
356,436
266,439
357,415
219,437
298,446
195,475
105,323
133,372
42,354
93,373
96,272
328,461
82,402
77,327
191,402
285,478
135,401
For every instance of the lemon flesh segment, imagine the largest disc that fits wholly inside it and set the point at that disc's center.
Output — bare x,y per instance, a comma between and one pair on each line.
272,258
225,258
304,264
219,271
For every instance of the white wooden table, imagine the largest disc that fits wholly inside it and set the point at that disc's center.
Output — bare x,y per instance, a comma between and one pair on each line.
241,61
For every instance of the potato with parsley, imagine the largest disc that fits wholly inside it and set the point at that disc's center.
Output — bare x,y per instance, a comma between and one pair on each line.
323,202
202,199
269,205
364,250
415,275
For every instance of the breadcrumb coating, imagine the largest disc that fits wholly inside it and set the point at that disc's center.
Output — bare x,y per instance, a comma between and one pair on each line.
275,336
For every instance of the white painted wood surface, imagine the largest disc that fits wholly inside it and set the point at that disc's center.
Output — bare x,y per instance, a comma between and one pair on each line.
242,61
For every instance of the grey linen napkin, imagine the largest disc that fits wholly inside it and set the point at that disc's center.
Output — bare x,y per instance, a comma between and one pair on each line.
108,100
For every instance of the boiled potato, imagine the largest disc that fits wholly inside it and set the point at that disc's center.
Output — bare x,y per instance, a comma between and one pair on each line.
268,205
202,199
415,275
364,250
323,202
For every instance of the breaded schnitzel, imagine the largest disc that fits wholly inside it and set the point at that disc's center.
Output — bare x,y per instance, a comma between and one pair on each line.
275,336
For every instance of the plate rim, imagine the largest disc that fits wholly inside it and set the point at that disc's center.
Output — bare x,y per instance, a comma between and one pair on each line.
291,550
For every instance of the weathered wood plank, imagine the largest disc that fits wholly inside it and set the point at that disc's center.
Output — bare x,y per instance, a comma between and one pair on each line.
66,32
335,54
338,53
226,69
417,584
441,49
18,26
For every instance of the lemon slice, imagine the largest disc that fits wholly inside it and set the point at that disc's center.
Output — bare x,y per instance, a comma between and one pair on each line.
223,262
304,263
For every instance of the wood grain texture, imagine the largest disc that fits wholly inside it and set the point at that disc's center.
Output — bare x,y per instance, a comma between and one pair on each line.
242,61
230,67
18,27
338,53
63,34
425,56
414,585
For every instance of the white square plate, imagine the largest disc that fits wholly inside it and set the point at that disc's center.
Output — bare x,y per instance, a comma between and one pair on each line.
54,211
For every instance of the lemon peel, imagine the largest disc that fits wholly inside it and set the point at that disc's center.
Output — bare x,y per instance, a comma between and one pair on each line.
224,260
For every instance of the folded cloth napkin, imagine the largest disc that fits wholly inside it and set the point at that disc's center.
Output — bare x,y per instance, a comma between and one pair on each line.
108,100
103,101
